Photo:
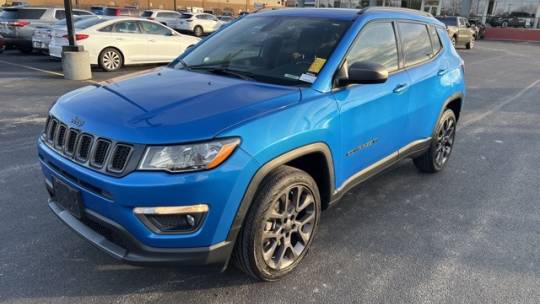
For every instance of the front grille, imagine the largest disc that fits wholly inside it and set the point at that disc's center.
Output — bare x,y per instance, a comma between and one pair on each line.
119,159
99,153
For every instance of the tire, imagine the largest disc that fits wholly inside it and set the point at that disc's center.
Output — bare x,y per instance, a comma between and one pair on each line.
442,143
470,44
283,233
198,31
25,50
110,59
454,41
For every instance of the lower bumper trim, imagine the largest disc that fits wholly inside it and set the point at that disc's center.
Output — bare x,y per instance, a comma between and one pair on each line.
136,253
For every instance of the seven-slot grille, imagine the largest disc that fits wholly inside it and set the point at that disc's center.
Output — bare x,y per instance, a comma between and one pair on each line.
97,152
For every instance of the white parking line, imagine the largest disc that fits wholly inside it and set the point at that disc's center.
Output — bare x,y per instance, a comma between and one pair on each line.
32,68
40,70
478,117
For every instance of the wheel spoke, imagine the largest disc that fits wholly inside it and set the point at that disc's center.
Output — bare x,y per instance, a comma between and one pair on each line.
269,253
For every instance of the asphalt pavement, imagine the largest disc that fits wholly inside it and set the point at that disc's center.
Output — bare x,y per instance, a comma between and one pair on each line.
470,234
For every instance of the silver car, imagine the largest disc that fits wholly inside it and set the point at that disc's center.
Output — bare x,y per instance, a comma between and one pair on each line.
17,24
43,34
168,18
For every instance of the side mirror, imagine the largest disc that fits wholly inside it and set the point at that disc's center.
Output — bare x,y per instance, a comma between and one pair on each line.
363,73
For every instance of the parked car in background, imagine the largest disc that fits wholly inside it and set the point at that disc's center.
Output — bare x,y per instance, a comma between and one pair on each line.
113,42
199,24
98,10
121,11
42,35
231,152
478,27
17,25
2,44
514,19
165,17
460,31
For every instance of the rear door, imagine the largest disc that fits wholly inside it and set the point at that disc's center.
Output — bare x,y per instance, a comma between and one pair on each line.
422,50
128,37
163,45
373,116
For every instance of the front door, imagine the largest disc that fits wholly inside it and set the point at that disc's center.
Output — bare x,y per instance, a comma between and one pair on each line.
373,116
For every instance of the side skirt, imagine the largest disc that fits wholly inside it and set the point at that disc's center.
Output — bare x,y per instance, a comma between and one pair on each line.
411,150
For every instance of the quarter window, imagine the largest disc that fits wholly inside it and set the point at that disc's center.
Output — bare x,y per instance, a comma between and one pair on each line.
60,14
416,42
376,43
435,40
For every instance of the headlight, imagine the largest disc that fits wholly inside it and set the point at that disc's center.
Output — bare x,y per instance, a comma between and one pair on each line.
192,157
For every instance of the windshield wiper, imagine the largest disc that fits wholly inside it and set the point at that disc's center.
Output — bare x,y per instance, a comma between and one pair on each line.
223,71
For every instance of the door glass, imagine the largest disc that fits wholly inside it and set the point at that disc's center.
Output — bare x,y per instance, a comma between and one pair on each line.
416,43
435,40
376,43
60,14
127,27
154,29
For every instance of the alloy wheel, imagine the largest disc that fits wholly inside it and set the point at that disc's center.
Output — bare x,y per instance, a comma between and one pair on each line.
288,227
445,141
111,60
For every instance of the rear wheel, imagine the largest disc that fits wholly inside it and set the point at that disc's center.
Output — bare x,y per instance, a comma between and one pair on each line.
198,31
442,143
454,41
110,59
470,44
280,225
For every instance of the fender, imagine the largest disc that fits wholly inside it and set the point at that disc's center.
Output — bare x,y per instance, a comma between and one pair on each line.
263,171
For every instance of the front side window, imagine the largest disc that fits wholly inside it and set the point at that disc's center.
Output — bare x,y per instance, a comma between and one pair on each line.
416,42
154,29
376,43
277,49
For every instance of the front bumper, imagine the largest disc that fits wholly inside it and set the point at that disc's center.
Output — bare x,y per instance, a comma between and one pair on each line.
111,200
113,239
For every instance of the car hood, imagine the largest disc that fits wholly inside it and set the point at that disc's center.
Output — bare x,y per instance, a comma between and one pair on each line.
169,106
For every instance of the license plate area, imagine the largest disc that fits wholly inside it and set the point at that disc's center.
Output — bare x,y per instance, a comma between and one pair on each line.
68,197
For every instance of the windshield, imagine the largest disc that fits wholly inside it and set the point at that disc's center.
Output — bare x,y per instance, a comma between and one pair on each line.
448,21
282,50
23,13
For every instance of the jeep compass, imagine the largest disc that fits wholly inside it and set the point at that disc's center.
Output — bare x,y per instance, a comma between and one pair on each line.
230,153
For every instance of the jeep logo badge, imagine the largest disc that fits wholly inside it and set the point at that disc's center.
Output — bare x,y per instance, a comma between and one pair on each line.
77,121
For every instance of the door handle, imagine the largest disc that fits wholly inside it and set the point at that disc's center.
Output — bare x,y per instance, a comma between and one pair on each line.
152,40
400,88
442,72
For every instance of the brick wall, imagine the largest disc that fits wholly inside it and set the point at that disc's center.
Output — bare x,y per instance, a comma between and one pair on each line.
517,34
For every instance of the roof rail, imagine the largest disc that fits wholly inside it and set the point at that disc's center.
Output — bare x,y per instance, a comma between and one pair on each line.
394,9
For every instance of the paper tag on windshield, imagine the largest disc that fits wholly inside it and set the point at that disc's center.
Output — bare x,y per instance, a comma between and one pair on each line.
316,65
308,78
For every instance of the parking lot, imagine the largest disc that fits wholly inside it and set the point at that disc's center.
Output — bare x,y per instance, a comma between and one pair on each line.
470,234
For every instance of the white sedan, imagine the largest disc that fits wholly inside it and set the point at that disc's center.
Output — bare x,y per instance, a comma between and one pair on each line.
115,42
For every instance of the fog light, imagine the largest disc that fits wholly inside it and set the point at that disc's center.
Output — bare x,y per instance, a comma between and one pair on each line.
175,219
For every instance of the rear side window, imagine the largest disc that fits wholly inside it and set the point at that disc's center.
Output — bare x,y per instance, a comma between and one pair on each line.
167,15
435,40
81,13
416,42
24,13
146,14
186,16
88,22
127,27
60,14
376,43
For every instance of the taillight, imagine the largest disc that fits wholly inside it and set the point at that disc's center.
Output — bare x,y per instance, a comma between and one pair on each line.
19,23
117,13
78,36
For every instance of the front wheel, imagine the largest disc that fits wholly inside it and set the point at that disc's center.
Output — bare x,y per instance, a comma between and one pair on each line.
470,44
442,143
280,225
453,39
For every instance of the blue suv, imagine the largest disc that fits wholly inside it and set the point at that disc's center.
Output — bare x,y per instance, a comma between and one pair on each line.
233,150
